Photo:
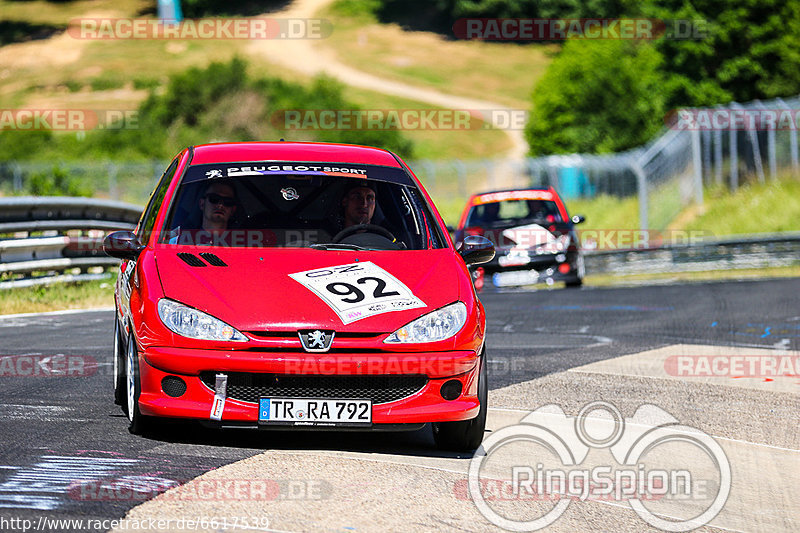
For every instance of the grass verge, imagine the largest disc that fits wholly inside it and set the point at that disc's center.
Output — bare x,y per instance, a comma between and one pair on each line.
56,297
610,280
754,208
501,72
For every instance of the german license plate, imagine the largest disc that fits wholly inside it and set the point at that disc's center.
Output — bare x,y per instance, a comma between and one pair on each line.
315,412
515,278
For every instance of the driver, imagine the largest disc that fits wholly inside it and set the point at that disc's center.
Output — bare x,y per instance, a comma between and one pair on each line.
358,204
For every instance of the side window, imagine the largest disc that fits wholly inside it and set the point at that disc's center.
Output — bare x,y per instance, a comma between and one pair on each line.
150,214
432,234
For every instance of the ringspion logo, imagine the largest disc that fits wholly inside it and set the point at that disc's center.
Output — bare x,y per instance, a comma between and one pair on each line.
654,463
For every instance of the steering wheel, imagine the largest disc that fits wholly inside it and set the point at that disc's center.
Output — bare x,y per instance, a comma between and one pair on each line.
369,228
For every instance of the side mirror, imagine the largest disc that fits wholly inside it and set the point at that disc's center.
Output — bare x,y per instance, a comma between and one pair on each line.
476,249
577,219
122,245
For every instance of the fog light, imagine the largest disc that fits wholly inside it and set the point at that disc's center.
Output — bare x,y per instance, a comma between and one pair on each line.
563,268
173,386
451,389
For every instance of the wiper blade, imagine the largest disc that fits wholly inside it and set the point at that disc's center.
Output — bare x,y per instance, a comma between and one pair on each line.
338,246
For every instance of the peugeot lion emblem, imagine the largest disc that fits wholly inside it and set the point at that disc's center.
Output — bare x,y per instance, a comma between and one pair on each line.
316,340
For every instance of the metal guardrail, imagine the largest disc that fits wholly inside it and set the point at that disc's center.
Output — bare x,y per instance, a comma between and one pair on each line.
739,252
50,235
65,222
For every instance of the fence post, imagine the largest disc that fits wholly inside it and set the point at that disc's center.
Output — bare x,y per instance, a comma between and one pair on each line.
734,149
113,191
697,162
792,141
641,181
461,173
718,156
706,140
17,182
752,135
772,158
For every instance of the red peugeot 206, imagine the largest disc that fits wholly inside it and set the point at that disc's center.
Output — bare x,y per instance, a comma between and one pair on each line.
302,285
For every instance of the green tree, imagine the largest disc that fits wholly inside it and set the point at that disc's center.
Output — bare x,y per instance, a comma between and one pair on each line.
750,50
597,96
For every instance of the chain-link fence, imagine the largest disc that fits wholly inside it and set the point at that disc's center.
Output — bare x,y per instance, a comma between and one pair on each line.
127,181
727,145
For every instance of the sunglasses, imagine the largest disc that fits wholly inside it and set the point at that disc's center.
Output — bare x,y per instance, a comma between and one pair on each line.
215,199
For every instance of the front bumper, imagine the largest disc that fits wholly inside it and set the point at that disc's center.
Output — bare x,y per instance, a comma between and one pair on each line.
541,268
425,405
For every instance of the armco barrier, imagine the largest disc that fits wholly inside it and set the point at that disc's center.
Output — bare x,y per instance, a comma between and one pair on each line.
48,235
738,252
63,245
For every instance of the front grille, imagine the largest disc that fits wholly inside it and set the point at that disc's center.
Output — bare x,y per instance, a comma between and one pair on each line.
380,389
292,334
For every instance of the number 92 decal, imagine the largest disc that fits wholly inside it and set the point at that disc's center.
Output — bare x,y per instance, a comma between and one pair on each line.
358,290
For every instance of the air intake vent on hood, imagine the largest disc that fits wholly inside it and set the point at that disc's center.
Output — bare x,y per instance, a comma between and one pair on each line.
191,259
213,260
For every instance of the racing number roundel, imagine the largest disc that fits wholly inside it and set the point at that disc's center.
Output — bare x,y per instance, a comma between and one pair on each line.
358,290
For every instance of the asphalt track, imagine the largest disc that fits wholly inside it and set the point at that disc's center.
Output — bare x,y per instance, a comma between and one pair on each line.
66,453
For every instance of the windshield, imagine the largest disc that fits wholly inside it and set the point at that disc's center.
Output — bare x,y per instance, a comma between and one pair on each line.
513,212
287,204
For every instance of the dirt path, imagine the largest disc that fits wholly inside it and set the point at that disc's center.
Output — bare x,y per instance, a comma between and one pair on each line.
303,56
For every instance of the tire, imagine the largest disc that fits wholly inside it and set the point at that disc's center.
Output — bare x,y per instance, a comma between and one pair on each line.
465,435
579,274
138,423
118,375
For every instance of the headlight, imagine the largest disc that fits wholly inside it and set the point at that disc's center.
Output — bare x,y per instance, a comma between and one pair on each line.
435,326
195,324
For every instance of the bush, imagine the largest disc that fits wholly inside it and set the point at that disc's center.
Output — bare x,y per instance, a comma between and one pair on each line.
214,104
56,183
597,96
440,15
211,8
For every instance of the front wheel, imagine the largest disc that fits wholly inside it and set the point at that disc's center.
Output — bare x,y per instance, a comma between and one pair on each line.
133,389
465,435
580,273
119,366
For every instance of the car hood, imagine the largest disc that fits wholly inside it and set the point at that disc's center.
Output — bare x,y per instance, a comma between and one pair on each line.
254,290
526,236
